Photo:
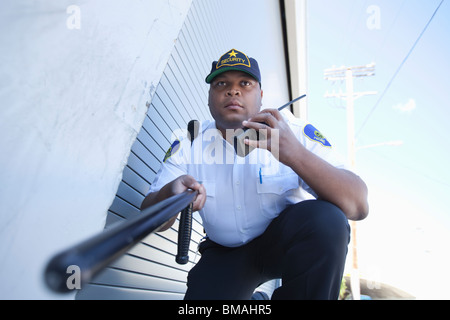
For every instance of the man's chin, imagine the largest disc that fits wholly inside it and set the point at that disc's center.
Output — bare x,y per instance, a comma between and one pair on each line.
233,125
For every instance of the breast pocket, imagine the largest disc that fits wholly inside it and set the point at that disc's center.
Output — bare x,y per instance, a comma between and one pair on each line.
209,211
273,191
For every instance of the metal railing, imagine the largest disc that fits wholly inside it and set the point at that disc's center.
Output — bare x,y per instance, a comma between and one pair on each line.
94,254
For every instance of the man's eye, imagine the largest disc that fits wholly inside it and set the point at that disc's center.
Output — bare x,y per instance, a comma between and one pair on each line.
220,83
246,83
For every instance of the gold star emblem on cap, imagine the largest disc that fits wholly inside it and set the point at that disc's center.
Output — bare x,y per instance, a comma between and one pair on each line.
233,54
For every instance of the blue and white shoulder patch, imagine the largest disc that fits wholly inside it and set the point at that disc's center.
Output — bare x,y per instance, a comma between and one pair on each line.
172,150
314,135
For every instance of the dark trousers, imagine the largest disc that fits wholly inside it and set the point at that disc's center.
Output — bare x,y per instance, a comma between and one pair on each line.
305,246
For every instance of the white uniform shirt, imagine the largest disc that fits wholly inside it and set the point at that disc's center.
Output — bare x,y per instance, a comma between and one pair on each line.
243,194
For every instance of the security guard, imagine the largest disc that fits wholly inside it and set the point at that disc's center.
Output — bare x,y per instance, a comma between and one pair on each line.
257,211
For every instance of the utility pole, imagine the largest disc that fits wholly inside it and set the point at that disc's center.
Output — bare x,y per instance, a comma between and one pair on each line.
347,74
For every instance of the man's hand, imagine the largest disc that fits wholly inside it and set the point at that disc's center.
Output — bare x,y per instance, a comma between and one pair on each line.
177,186
186,182
279,140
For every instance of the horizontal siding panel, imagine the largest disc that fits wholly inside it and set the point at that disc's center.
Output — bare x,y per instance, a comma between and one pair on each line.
185,75
155,132
112,219
156,255
188,74
130,194
169,91
162,240
172,108
207,32
179,85
151,144
144,266
137,165
197,231
102,292
133,179
168,239
162,106
196,49
144,154
123,278
162,126
123,208
190,50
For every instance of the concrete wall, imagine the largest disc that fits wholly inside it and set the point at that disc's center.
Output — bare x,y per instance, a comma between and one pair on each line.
75,78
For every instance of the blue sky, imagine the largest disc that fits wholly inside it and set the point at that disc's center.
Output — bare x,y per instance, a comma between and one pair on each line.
406,236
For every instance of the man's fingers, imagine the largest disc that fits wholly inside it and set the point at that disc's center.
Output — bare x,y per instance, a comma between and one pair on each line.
268,116
261,121
200,200
190,183
251,143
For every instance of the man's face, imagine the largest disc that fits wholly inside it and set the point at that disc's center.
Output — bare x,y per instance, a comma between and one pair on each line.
234,96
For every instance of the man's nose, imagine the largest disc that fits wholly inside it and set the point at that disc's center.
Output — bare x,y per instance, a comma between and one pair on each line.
233,92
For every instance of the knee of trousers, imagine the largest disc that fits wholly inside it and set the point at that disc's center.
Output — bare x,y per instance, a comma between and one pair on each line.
321,222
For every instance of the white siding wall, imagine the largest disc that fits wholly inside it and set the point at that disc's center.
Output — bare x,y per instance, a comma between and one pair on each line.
211,28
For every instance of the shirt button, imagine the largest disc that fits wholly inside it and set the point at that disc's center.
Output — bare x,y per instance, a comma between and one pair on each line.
238,182
239,207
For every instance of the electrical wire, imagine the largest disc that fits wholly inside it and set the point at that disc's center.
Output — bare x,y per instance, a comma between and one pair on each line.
353,30
398,70
388,33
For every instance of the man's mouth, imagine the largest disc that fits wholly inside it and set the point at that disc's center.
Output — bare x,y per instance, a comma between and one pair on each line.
234,105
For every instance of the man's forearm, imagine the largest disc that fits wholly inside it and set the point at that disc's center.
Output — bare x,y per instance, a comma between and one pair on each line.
338,186
156,197
177,186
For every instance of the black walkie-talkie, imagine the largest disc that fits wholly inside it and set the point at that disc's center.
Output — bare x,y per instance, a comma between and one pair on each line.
243,149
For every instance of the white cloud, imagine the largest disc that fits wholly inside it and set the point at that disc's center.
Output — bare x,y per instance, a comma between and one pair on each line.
407,107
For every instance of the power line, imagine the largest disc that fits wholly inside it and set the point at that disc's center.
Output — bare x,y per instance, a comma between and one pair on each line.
398,70
354,22
388,33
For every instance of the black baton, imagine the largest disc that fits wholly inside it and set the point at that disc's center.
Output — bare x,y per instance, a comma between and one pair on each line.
185,227
184,235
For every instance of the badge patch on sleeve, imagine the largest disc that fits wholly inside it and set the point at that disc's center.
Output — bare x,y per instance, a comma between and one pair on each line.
172,150
315,135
